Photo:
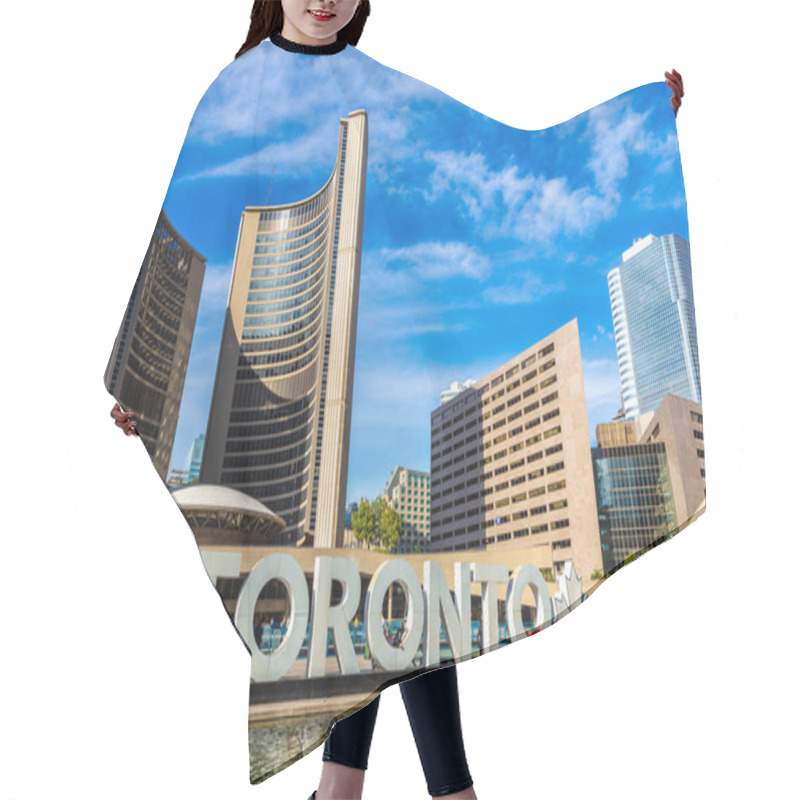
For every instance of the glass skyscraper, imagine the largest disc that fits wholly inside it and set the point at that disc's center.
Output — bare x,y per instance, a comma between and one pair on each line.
194,459
653,312
635,505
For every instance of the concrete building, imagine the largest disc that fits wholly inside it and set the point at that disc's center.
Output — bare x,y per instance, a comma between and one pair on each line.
456,387
147,367
511,460
279,424
652,306
649,477
679,424
408,491
621,432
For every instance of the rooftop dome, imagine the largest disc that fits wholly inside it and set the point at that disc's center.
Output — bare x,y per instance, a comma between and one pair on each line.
223,515
211,495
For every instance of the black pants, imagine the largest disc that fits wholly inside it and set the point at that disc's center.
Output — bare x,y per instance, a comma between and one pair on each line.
432,706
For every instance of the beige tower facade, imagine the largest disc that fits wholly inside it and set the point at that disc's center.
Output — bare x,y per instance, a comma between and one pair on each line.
678,423
279,424
511,459
147,367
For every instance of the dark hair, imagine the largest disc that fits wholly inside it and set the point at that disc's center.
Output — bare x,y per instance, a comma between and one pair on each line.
266,18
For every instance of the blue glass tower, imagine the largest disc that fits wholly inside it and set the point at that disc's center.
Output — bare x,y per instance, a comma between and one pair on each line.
653,311
194,459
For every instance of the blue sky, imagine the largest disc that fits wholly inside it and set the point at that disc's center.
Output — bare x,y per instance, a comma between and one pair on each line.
479,238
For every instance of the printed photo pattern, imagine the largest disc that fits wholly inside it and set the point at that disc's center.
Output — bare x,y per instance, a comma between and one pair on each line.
419,381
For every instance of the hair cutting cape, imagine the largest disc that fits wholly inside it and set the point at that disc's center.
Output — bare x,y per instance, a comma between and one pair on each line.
419,381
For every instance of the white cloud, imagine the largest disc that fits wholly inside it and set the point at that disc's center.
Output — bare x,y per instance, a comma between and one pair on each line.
525,287
379,321
436,261
537,208
617,131
645,198
228,111
470,176
299,155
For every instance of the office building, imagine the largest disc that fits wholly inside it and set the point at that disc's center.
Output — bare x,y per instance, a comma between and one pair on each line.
408,491
649,477
635,504
652,306
679,424
511,459
279,424
147,367
194,459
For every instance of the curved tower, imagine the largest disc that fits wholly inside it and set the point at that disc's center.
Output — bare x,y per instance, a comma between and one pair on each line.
279,424
147,367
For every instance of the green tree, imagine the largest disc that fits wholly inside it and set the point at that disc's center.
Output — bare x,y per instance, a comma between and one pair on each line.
364,523
389,524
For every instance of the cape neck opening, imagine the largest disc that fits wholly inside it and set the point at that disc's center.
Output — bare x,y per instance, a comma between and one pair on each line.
310,49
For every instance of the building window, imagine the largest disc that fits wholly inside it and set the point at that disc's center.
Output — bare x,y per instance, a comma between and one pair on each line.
547,350
548,382
539,528
562,544
547,365
550,397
